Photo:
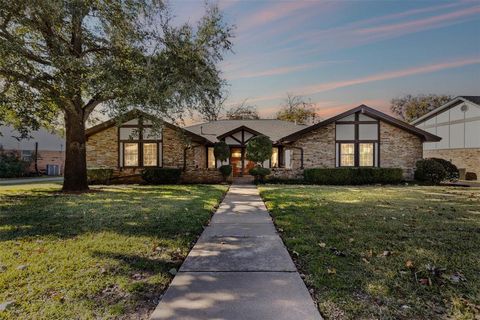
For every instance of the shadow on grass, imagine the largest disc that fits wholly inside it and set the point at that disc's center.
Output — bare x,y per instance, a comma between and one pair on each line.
149,211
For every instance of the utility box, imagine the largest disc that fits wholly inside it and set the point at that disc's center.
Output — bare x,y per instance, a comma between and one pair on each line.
53,170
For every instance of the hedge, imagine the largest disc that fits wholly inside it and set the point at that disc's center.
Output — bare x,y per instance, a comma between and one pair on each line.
11,166
353,176
99,176
161,175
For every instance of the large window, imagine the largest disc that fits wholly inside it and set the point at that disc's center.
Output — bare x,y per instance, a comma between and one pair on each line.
139,145
274,161
347,154
357,141
131,154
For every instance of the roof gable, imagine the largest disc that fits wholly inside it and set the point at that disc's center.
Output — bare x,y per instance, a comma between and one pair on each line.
471,99
426,136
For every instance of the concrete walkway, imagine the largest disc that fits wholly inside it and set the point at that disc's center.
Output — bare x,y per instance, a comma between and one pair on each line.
238,269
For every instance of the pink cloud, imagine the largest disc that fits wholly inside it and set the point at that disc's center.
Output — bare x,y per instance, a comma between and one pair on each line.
322,87
281,70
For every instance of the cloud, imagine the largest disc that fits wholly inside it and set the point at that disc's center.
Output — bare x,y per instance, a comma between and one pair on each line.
327,86
281,70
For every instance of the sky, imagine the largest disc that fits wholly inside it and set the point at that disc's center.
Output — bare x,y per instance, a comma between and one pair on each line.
340,54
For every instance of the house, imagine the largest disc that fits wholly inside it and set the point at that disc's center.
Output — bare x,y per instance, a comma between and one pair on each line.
48,146
360,137
458,124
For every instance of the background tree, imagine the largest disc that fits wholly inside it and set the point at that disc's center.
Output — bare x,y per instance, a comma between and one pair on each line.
65,58
259,149
211,110
243,111
409,108
297,109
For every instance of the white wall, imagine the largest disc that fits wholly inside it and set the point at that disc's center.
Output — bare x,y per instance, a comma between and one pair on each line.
459,127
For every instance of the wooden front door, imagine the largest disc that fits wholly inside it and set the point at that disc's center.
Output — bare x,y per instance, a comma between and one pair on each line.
236,161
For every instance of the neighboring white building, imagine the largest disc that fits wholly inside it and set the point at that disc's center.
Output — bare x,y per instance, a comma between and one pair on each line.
458,124
51,148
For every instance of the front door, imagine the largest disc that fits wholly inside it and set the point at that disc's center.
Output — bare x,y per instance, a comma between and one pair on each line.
236,161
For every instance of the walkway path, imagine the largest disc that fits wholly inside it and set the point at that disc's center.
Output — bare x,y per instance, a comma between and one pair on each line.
239,269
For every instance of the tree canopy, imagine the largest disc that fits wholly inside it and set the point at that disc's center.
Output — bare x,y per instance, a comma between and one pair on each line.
221,151
63,59
297,109
259,149
243,111
410,107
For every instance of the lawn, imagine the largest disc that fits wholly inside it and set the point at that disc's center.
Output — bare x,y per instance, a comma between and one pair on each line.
403,252
100,255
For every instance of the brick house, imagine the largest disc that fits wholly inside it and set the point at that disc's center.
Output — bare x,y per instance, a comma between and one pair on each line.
49,147
359,137
458,124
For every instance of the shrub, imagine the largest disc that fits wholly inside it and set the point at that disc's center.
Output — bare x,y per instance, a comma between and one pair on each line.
353,176
450,168
259,173
11,166
470,176
99,176
259,149
221,150
431,171
161,175
225,170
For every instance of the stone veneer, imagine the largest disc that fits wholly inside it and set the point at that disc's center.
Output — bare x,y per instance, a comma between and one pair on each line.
468,159
102,152
398,149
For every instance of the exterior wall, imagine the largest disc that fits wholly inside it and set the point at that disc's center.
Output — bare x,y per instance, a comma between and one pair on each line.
173,148
318,149
468,159
399,149
44,158
102,149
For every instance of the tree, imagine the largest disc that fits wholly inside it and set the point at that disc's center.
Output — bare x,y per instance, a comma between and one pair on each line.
243,111
259,149
66,58
409,107
221,151
210,110
297,109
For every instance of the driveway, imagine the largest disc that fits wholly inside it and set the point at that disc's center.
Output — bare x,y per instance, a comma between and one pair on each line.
29,180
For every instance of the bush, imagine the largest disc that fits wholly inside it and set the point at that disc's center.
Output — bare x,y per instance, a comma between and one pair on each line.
225,170
99,176
11,166
450,168
430,171
353,176
221,150
259,149
470,176
259,173
161,175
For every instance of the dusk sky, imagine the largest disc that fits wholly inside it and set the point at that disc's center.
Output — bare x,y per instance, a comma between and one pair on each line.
340,54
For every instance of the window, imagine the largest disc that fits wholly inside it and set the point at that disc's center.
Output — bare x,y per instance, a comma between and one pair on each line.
27,155
347,155
274,160
366,155
210,158
150,154
131,154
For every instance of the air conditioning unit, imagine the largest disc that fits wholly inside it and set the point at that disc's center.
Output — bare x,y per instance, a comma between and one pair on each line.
53,170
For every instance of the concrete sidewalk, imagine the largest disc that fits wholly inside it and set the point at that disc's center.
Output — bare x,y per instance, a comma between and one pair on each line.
239,269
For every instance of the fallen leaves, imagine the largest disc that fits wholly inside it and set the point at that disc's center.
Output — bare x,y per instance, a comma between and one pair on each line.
331,271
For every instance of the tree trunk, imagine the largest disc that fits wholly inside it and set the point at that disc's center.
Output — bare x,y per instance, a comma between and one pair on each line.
75,172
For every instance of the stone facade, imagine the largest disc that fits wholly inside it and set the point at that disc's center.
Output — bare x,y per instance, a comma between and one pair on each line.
468,159
399,149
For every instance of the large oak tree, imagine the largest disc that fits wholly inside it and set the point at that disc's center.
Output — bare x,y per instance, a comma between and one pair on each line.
62,59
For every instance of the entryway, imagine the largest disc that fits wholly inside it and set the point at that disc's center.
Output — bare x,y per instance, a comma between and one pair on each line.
236,155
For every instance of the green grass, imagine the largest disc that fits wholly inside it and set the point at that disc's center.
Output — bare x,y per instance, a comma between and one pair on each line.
410,252
100,255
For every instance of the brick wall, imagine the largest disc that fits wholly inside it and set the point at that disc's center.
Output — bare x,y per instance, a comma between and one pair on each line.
399,149
102,149
468,159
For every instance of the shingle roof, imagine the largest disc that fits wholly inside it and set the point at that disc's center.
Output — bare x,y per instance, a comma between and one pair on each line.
274,129
474,99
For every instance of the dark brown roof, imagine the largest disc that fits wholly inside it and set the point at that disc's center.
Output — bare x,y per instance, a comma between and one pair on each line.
426,136
473,99
135,114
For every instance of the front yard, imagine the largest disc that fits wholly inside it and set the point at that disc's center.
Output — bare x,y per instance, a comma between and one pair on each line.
384,252
104,254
